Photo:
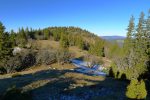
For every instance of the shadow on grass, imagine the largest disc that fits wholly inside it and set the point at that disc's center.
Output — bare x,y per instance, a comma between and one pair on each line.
60,87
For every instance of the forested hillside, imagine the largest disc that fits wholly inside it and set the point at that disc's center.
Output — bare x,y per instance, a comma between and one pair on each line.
32,53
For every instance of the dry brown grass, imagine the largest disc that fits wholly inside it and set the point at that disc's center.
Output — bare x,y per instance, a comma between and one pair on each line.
47,44
44,44
46,80
51,73
78,52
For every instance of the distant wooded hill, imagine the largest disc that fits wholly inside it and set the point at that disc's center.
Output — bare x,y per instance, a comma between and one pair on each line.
114,39
110,38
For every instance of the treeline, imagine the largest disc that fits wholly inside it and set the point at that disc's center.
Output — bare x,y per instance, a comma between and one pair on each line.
31,55
132,61
67,36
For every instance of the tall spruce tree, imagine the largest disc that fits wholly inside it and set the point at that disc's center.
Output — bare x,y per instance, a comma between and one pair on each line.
80,42
147,38
22,38
5,45
64,41
97,48
140,46
147,33
13,38
129,44
46,34
130,32
136,48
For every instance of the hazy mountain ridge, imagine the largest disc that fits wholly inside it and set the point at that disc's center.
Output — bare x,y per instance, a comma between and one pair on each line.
113,37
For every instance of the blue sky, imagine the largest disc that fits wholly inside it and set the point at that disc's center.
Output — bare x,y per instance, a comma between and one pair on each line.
102,17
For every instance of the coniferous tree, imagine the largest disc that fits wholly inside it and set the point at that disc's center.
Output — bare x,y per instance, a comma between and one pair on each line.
147,33
147,40
46,34
5,45
140,46
80,42
128,45
97,48
21,38
13,38
135,58
64,41
136,90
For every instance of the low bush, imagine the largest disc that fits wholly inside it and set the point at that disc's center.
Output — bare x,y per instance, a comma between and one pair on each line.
28,60
10,65
16,94
136,90
29,57
93,60
46,57
16,75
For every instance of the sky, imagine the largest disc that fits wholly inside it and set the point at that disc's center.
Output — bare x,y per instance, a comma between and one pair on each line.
102,17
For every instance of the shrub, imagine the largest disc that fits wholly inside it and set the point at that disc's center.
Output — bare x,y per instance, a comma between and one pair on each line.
11,65
16,94
18,62
136,90
2,70
63,56
16,75
46,57
93,60
28,60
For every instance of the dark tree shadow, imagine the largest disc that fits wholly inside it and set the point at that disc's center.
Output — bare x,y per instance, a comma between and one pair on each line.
61,88
111,74
117,74
123,77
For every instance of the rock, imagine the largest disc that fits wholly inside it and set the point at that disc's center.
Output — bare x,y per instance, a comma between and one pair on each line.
16,50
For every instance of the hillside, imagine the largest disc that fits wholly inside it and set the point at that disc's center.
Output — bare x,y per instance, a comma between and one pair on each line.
38,65
53,50
114,39
57,81
65,84
73,49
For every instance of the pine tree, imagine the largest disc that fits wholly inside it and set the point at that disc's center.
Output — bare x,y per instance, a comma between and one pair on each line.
130,32
13,38
64,41
22,38
5,44
129,45
135,49
46,34
139,36
97,48
140,46
147,41
2,28
147,34
79,42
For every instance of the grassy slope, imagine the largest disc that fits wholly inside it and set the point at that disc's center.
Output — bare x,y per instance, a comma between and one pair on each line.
56,81
48,82
53,44
77,52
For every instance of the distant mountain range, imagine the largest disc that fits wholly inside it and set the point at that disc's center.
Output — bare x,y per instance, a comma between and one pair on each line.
118,39
110,38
